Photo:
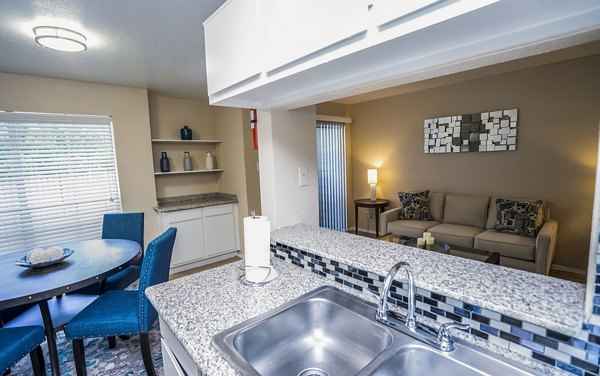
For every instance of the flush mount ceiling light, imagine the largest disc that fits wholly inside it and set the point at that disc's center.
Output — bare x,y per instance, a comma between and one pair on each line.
59,38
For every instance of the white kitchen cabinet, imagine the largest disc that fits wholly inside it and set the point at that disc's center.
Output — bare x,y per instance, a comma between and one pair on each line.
204,235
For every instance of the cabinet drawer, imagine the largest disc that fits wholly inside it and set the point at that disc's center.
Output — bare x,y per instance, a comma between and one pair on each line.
218,210
184,215
170,363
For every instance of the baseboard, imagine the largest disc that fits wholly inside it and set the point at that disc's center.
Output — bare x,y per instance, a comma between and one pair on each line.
568,269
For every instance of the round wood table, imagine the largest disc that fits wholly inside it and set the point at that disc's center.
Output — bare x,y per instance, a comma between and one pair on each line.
92,262
378,204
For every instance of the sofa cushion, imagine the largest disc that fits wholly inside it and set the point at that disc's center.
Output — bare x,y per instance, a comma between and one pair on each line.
517,217
455,234
412,228
540,219
510,245
414,205
436,205
466,210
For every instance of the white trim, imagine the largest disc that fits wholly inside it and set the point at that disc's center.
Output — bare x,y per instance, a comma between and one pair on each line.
336,119
55,118
567,269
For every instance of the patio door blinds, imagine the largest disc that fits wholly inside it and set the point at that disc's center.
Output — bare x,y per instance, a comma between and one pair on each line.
58,176
331,164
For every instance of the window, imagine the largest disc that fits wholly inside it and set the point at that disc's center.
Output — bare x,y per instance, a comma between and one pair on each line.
331,164
58,176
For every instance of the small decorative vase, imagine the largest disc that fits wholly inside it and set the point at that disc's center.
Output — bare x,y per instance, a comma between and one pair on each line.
209,161
164,162
187,161
186,133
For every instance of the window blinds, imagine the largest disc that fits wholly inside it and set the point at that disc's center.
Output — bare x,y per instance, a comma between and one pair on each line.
331,161
58,176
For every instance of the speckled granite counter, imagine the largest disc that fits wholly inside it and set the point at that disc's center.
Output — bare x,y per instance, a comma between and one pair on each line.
170,204
550,302
198,306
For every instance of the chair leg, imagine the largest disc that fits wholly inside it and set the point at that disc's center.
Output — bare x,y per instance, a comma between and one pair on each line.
112,342
79,357
37,361
146,354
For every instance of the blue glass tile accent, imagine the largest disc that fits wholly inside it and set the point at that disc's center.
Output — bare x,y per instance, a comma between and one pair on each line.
532,345
569,368
462,312
577,343
591,358
592,347
594,339
521,333
454,317
472,308
479,334
584,365
595,328
510,321
597,300
438,311
596,310
544,359
558,336
490,330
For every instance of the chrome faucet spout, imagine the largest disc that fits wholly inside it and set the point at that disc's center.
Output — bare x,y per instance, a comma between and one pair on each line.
382,309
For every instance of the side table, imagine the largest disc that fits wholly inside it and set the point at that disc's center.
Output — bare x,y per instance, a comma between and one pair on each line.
378,204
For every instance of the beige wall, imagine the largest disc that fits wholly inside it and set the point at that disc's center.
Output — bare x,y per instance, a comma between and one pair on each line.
557,145
167,116
129,110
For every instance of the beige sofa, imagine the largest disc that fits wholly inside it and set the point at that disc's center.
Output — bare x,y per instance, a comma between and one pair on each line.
469,221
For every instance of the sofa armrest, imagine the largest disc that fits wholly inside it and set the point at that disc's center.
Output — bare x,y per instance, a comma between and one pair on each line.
545,246
387,217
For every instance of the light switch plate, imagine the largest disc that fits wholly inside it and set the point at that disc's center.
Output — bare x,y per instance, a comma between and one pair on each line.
302,176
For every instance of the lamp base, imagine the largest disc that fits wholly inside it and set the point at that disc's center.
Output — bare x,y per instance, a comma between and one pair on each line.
373,193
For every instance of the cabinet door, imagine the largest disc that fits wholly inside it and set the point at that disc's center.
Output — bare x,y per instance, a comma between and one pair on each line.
219,227
189,244
170,364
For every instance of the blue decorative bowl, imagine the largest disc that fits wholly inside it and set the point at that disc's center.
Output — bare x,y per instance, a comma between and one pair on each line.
23,260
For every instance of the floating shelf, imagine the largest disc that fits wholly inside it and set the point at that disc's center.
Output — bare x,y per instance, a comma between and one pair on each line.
163,141
188,172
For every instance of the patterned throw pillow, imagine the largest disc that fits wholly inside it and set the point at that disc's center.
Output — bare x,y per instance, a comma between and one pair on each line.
414,205
517,217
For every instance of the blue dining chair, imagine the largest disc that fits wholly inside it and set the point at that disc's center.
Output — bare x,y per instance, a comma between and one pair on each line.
129,226
15,343
119,312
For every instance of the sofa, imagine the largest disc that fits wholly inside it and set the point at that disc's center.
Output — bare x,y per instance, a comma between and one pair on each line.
469,221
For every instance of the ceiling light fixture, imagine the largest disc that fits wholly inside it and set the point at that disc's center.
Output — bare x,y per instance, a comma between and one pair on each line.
59,38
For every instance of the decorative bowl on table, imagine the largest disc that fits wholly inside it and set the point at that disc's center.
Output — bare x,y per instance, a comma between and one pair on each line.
39,257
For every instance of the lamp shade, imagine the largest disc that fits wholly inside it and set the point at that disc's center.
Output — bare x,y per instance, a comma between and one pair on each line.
372,175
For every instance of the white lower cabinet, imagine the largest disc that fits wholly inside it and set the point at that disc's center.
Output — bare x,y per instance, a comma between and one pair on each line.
176,360
204,235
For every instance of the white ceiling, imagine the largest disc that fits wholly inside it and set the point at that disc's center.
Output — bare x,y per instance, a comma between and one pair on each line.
151,44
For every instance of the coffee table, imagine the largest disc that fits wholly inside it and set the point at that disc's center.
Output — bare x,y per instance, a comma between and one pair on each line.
448,249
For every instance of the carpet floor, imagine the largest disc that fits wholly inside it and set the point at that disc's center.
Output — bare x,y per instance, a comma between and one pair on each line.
125,359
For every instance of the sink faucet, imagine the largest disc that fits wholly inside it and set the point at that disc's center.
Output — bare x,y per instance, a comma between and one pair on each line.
445,338
387,283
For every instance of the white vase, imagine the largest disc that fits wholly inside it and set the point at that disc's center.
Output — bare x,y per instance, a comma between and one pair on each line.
209,161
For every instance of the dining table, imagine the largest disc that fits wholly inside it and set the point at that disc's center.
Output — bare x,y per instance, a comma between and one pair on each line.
91,262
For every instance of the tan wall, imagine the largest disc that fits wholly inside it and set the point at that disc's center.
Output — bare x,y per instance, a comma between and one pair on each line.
129,110
251,162
557,145
167,116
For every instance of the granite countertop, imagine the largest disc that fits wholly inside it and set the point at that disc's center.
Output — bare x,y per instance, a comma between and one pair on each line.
553,303
201,305
171,204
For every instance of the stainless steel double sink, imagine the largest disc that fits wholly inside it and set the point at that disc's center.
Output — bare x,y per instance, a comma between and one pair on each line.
328,332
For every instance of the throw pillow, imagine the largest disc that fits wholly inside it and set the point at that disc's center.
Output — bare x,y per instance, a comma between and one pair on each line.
414,205
517,217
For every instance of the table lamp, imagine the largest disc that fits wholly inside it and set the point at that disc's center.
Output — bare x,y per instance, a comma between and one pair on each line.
372,178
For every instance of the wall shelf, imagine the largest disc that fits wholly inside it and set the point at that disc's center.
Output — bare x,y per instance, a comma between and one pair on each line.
164,141
187,172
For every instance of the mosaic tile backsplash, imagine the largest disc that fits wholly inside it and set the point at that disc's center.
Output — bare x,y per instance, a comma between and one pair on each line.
486,131
578,355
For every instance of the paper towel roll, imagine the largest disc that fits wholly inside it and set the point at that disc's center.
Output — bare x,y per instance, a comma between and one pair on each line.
257,241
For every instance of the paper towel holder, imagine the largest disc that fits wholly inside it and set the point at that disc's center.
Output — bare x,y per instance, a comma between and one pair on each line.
271,275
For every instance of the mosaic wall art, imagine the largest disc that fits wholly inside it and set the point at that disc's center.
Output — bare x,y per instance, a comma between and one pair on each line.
486,131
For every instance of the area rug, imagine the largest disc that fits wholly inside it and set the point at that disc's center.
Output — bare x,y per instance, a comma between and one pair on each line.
125,359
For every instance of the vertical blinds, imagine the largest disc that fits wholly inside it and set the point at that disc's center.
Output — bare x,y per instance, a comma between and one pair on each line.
58,176
331,161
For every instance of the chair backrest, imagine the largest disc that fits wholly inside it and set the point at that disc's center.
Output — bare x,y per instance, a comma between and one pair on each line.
155,269
129,226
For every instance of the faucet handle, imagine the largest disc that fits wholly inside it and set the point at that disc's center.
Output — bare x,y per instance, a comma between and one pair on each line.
445,337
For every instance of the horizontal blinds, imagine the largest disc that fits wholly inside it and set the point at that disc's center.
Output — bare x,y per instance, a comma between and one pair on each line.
58,176
331,163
